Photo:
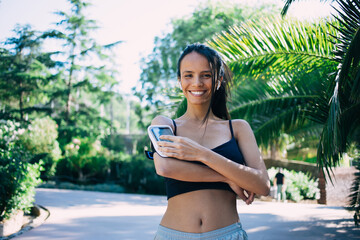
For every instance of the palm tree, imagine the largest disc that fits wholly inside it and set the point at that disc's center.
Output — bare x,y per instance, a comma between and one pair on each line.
342,128
295,74
270,66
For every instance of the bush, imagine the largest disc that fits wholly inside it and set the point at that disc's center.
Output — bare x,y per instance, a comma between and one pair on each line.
40,139
299,185
84,159
17,176
137,174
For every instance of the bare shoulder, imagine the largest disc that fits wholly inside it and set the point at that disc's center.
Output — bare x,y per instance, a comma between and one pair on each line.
242,128
161,120
240,124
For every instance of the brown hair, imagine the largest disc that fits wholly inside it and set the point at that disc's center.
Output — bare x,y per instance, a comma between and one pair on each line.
219,70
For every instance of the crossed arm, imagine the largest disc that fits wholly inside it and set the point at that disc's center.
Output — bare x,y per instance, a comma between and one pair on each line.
253,177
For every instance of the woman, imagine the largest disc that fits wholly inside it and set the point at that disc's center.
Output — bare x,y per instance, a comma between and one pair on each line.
211,159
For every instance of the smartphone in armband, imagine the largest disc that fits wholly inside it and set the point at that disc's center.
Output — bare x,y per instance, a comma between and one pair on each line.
155,131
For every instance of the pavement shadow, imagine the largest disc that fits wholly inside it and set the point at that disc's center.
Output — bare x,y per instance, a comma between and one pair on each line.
109,228
70,198
270,227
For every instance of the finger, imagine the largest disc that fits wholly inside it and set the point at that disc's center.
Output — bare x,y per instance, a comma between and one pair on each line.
166,152
240,192
163,143
251,197
168,144
241,195
168,137
166,149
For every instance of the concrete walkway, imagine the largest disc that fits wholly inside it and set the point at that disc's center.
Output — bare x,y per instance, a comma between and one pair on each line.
79,215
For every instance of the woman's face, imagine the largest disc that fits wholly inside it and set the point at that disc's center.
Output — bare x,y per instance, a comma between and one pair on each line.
196,78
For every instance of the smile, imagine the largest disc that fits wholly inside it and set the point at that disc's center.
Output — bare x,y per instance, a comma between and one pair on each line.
197,93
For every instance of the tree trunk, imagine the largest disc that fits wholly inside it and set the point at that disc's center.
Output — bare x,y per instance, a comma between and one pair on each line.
68,102
273,150
111,117
69,85
81,176
322,187
21,102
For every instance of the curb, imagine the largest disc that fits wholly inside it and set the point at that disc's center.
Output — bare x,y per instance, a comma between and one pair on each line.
33,222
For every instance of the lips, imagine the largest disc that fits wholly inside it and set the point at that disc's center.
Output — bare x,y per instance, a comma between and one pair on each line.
197,93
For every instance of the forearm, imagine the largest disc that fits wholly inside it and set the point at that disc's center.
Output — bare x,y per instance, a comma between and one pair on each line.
185,171
251,179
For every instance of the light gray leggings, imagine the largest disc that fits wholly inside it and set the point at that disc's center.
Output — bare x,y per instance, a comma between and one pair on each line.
231,232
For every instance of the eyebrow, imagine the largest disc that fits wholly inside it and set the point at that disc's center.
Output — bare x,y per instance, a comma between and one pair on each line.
188,71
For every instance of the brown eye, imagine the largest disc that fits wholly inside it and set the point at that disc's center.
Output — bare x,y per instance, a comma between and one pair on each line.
207,76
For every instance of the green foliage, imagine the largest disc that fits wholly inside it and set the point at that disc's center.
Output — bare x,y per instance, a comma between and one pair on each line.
24,71
40,140
137,174
299,185
17,176
84,86
288,73
84,158
279,76
342,127
331,50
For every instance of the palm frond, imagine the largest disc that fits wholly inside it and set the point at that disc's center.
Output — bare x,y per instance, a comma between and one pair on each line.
280,105
344,112
286,7
281,72
272,116
348,49
289,2
281,46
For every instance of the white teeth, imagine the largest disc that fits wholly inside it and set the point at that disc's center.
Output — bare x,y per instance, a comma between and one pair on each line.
197,93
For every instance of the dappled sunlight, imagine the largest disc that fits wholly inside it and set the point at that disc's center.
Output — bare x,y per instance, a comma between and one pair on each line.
100,227
257,229
264,220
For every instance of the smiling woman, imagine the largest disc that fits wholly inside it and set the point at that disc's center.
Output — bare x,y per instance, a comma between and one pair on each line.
211,159
196,81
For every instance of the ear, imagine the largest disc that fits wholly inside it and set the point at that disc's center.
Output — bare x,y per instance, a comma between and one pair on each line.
179,82
219,81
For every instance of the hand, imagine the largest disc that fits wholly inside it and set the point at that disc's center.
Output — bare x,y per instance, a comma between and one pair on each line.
245,195
181,148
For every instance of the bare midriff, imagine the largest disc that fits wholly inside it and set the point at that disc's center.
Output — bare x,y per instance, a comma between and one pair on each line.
201,211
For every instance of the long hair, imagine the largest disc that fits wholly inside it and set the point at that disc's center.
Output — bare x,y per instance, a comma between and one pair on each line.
218,70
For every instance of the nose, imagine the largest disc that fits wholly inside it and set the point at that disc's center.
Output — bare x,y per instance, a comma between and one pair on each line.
198,81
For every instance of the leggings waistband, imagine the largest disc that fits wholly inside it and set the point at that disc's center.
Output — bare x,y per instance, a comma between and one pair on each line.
231,232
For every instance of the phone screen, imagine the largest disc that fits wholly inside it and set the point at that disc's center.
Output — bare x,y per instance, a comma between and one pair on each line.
158,131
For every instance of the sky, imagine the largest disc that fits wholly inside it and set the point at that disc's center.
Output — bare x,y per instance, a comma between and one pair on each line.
136,22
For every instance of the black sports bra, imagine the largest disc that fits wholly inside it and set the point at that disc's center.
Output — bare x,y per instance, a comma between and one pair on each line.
230,150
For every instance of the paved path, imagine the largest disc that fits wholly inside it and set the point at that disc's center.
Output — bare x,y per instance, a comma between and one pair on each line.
80,215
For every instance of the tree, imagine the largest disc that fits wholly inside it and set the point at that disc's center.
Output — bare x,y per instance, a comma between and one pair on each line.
275,52
342,128
159,68
269,69
85,84
87,158
24,71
